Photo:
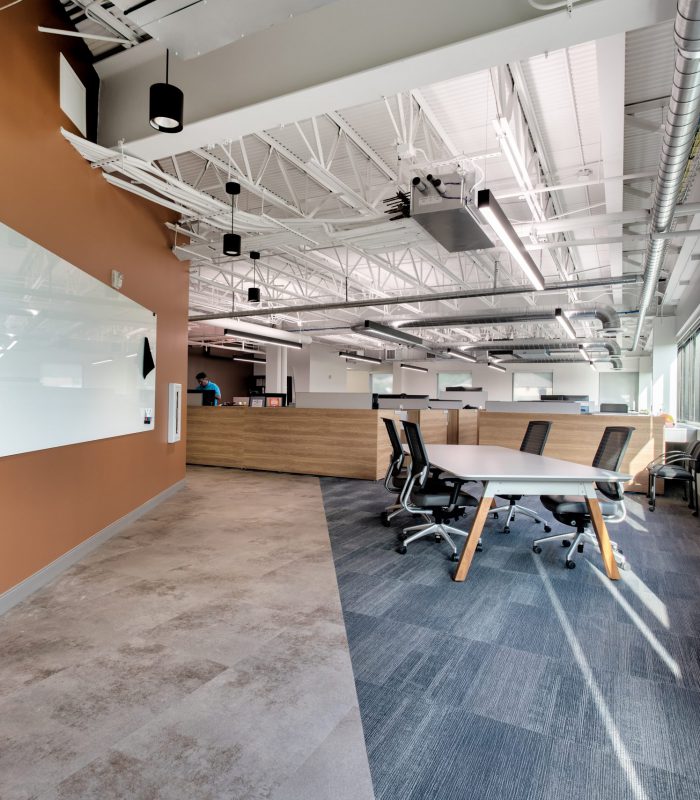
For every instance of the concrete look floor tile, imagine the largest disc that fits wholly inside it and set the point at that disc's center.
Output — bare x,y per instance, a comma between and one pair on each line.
201,655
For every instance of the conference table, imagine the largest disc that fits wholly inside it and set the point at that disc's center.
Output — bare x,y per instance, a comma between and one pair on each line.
504,471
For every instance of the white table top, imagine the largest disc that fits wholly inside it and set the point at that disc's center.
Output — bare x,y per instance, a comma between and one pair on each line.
487,462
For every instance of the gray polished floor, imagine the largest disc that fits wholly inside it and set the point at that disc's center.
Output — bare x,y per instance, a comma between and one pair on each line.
201,654
528,681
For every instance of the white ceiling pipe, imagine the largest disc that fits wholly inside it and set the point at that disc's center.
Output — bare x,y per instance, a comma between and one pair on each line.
679,133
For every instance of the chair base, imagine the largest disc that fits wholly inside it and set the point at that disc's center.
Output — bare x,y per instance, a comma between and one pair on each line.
439,530
580,538
512,509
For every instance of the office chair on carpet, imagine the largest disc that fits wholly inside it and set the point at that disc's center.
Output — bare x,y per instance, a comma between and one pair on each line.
441,498
533,442
679,467
573,511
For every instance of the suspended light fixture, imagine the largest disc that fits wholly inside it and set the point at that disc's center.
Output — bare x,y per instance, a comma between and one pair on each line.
232,241
250,360
254,291
165,104
563,320
350,356
497,367
493,214
412,367
463,356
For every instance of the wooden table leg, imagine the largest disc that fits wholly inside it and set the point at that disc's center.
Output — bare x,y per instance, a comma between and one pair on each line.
471,541
601,533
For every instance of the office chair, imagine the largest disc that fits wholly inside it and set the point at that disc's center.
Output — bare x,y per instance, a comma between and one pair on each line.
573,511
442,499
679,467
396,474
533,442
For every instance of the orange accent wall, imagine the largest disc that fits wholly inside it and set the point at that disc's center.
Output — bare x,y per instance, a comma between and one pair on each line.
52,500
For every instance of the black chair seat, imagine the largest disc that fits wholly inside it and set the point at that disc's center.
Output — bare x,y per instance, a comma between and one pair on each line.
434,494
571,506
513,497
672,472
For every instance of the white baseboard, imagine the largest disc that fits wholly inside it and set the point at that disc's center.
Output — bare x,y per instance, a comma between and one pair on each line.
46,574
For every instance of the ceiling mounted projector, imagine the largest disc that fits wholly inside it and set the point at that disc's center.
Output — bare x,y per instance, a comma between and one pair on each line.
442,207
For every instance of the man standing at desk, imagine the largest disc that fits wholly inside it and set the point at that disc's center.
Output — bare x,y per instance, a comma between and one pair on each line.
205,385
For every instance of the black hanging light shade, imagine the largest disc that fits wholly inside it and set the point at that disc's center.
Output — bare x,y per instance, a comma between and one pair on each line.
232,241
254,291
166,104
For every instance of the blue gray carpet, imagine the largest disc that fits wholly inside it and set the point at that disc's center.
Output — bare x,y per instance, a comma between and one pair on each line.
528,681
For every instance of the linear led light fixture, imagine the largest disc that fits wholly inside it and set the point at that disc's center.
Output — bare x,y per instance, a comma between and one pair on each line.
497,367
415,369
517,163
493,214
259,337
356,357
564,321
463,356
369,328
592,366
582,352
249,360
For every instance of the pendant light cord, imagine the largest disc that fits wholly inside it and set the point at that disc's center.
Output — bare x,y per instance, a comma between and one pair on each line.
167,65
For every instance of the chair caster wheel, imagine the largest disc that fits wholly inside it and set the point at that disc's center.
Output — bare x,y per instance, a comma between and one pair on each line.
570,564
384,519
402,550
579,548
437,537
495,516
506,529
536,548
547,529
652,508
566,543
454,557
479,548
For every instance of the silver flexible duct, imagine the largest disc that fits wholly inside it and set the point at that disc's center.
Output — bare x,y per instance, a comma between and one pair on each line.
679,133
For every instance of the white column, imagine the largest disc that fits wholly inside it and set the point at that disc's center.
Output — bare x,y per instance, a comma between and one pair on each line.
663,366
276,369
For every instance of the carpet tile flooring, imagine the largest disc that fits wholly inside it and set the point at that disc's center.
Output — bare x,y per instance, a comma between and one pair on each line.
528,681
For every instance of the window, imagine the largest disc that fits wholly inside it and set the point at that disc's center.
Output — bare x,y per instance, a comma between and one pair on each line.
382,382
446,379
531,385
689,378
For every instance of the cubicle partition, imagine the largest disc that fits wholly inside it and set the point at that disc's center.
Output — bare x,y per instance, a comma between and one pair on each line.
576,438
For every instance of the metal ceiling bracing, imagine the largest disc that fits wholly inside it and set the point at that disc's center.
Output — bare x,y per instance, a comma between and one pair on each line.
313,192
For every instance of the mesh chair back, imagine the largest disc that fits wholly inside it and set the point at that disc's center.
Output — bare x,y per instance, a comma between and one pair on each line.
535,437
397,454
609,455
416,447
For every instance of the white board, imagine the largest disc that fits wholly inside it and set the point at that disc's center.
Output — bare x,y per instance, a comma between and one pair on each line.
71,353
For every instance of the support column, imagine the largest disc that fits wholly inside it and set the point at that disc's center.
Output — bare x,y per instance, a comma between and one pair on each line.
276,369
664,366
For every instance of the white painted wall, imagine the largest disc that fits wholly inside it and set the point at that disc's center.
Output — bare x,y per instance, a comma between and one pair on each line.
327,371
357,380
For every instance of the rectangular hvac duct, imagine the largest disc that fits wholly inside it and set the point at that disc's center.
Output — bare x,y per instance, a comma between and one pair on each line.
446,215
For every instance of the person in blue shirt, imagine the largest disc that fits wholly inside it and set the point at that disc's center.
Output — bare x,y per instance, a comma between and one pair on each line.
205,385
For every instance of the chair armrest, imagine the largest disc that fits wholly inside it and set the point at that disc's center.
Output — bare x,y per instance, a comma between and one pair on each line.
672,458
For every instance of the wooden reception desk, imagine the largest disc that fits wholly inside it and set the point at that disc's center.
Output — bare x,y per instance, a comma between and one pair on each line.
344,443
575,437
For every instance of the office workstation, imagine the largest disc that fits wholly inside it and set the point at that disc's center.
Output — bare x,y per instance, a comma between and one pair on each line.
350,406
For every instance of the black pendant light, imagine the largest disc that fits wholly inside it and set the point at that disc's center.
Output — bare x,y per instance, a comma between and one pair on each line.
166,103
232,241
254,291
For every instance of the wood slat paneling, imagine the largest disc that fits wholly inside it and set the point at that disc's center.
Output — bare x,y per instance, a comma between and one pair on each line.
575,437
336,442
